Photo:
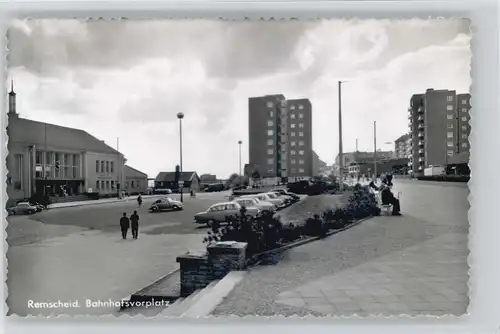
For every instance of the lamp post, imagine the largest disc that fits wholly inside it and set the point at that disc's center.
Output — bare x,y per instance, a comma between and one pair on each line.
341,154
239,148
180,116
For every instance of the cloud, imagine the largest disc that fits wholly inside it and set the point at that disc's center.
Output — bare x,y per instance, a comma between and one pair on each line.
129,79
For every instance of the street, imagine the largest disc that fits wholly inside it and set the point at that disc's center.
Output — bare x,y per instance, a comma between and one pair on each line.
74,253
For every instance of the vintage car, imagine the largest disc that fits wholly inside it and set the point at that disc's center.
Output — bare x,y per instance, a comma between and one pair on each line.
255,203
222,212
268,197
23,208
166,203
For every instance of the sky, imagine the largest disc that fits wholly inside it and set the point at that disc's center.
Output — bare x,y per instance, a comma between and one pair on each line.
129,79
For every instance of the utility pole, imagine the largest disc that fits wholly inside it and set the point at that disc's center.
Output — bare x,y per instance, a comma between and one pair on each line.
356,144
375,150
341,155
118,169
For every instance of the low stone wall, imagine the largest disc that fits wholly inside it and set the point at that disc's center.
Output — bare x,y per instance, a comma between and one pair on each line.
199,269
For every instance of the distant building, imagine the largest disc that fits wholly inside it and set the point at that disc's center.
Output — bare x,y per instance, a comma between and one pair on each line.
58,161
402,146
135,182
167,180
358,157
319,166
206,178
439,129
280,137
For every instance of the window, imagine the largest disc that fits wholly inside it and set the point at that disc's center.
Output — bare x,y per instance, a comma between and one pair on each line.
271,114
293,152
464,128
450,144
450,134
269,123
292,116
107,184
112,184
449,107
76,165
301,106
270,104
293,161
270,142
292,134
270,132
102,166
449,116
450,152
301,125
301,115
301,170
270,161
57,172
97,185
107,166
294,170
270,151
39,164
301,152
102,184
464,101
132,184
464,109
111,167
464,136
293,143
301,162
292,125
464,119
17,175
449,98
301,143
301,134
450,126
464,145
292,107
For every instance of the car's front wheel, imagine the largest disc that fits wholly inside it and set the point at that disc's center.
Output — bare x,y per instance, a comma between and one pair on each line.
154,209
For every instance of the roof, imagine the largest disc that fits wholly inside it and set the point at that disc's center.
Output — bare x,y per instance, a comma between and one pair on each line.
170,176
404,137
134,171
22,130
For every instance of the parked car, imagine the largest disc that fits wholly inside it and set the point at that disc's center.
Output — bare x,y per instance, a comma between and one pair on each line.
162,191
23,208
222,212
279,203
282,192
166,203
255,203
215,187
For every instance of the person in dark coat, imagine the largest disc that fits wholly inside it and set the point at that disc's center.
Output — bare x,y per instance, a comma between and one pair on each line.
124,225
387,198
134,219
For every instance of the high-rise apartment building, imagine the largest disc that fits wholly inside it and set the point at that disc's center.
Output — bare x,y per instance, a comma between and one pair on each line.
280,131
439,129
402,146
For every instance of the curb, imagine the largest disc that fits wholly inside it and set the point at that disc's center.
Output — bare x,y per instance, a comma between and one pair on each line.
92,202
137,297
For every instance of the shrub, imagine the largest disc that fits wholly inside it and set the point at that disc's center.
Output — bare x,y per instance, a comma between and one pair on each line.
315,226
291,232
261,233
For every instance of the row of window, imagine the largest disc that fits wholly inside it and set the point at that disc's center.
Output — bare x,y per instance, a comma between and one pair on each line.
56,165
270,142
271,133
451,116
104,184
463,135
294,170
270,104
449,98
102,166
464,127
292,125
452,144
292,115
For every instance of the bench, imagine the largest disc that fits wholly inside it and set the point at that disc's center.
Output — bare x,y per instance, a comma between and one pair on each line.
386,209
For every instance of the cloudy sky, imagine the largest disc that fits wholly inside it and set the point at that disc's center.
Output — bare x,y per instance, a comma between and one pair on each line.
129,79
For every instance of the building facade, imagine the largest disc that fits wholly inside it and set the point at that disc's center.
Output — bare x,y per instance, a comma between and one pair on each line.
280,137
135,181
402,146
359,157
47,159
439,129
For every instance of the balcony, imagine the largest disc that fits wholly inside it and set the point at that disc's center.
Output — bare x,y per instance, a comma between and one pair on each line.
420,118
421,126
420,110
421,159
410,116
421,143
421,134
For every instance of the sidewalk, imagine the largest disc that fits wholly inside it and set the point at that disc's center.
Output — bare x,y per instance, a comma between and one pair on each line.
415,264
99,201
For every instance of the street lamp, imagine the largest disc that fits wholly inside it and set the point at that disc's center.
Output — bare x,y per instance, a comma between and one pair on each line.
239,147
180,116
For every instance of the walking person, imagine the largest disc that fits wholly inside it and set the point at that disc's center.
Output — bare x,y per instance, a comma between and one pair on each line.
124,225
139,200
134,219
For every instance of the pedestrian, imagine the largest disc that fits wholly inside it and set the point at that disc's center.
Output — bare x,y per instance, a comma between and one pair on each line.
124,225
134,219
139,200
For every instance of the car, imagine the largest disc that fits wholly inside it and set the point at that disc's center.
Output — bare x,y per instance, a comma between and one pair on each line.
166,203
284,192
255,203
158,191
266,197
23,208
222,212
215,187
